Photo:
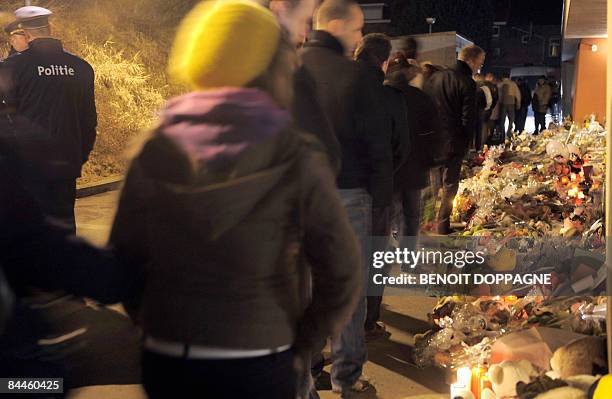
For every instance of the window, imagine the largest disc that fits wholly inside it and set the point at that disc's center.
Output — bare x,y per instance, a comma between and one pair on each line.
496,30
554,47
525,39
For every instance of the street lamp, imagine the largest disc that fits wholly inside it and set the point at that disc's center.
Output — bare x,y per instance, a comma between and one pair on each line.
430,22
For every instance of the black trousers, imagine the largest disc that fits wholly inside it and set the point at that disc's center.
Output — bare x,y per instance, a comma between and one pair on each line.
266,377
521,119
540,121
451,172
56,199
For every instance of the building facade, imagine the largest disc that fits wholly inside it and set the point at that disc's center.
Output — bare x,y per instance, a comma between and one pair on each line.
524,45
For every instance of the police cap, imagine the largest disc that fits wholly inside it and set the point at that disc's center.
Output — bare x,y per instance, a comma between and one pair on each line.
13,28
33,17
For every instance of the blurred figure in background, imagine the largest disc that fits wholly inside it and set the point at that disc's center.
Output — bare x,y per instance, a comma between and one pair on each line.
540,103
408,47
347,93
496,136
413,165
510,98
219,209
431,194
555,99
453,91
295,16
50,333
484,101
521,114
373,55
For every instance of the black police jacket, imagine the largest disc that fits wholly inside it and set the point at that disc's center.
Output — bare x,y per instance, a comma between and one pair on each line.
50,93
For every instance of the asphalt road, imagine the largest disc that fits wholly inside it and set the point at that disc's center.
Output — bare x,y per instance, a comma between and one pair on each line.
390,366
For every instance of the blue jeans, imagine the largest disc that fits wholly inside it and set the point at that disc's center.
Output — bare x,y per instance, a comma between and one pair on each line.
349,351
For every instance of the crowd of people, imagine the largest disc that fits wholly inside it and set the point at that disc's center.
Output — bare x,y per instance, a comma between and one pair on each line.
243,235
503,106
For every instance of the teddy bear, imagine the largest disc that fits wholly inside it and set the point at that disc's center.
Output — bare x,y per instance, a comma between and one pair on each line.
507,374
579,357
563,393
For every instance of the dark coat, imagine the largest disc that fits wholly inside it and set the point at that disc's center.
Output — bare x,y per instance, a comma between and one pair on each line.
454,94
216,208
310,117
413,172
51,93
353,99
494,92
525,95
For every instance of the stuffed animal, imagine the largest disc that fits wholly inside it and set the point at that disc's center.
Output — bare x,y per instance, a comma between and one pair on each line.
578,357
602,388
563,393
582,382
538,386
507,374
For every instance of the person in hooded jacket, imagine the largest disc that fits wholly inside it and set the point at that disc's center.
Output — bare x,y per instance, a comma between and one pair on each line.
220,206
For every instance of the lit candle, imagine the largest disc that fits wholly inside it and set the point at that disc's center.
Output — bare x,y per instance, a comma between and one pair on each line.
478,373
458,390
464,376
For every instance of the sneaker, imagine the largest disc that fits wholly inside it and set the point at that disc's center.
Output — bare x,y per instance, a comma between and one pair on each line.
360,386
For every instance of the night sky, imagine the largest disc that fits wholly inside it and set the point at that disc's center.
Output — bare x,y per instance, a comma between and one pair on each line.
536,11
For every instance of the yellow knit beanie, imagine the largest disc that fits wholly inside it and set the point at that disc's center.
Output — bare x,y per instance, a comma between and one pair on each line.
224,43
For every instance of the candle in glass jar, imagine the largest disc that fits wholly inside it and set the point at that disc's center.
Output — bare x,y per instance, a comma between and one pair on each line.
458,390
464,376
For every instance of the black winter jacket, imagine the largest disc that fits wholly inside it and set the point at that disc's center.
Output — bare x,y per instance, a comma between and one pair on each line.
454,94
353,99
421,124
310,117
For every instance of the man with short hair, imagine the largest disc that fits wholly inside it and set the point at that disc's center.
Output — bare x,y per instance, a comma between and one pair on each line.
52,94
365,181
372,55
454,93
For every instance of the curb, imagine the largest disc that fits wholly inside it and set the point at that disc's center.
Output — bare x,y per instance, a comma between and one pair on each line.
99,187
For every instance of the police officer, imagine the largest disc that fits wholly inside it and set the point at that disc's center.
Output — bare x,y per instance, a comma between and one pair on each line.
16,36
52,94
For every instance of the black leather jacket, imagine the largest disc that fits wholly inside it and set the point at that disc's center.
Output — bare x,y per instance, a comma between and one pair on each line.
454,93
